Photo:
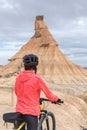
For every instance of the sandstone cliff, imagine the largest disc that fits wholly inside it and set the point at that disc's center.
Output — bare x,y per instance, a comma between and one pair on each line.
54,66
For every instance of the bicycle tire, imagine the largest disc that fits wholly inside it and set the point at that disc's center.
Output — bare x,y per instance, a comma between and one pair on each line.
49,125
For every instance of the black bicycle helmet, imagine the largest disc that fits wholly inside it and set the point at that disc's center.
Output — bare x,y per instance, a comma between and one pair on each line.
30,59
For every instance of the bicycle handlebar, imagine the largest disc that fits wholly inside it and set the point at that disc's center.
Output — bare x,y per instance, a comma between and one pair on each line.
59,102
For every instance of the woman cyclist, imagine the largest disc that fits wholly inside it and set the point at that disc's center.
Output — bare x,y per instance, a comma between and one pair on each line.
28,86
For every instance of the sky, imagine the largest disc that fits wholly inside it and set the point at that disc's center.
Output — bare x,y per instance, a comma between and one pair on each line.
66,20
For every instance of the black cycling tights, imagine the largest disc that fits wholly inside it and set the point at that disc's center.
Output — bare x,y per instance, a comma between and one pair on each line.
32,122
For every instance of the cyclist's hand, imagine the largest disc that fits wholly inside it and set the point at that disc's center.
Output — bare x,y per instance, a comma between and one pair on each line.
59,101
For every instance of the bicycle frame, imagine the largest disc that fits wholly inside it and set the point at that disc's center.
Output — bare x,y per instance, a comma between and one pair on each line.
21,125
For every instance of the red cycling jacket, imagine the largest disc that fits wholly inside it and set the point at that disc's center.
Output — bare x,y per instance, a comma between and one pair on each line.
28,87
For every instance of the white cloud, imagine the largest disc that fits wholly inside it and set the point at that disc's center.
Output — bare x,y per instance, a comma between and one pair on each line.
7,5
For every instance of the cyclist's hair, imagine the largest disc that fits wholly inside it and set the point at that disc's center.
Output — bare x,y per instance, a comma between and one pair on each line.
30,62
29,67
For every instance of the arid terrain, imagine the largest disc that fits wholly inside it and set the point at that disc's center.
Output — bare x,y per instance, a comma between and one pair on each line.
72,115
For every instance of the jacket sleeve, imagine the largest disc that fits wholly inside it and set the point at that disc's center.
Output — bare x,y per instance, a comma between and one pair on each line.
49,94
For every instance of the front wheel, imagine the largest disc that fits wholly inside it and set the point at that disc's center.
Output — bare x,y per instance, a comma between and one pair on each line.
47,122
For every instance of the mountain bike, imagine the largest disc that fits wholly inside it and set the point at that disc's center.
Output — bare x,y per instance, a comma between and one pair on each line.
46,120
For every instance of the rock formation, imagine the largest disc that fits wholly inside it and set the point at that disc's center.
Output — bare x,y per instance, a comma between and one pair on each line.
54,66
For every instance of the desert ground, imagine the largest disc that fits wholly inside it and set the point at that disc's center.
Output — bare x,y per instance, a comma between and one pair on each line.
72,115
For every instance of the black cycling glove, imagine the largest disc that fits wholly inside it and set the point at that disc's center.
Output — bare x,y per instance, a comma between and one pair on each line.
59,101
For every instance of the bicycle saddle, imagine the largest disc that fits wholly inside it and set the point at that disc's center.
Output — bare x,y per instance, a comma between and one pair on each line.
12,117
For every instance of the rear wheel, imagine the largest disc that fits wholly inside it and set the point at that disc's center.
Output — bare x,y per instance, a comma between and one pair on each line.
47,122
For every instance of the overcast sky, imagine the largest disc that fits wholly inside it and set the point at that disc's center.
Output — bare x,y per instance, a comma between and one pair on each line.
66,20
